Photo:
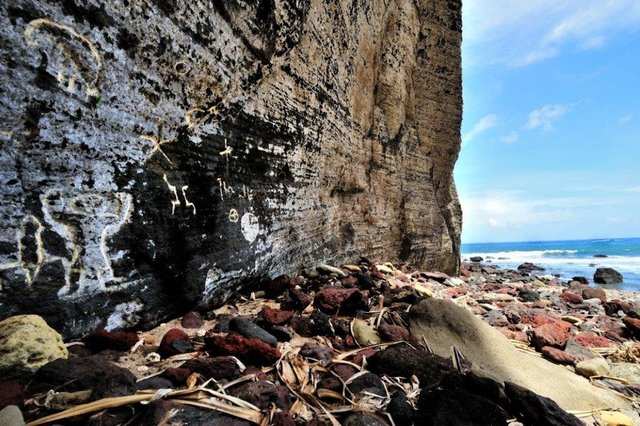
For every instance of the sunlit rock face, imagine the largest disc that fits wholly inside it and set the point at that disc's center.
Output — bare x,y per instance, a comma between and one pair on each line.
156,154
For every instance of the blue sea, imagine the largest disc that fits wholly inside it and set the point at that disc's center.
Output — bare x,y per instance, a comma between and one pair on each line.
567,258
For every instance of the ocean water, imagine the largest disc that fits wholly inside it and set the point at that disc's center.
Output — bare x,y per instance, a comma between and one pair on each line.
567,258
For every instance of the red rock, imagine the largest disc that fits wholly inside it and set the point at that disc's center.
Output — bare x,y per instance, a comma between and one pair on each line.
633,325
332,300
393,333
454,292
571,297
192,320
557,355
552,334
251,351
592,340
178,376
277,286
174,342
102,340
275,316
594,293
612,307
537,318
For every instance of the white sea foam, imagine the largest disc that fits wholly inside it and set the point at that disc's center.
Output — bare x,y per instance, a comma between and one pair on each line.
546,258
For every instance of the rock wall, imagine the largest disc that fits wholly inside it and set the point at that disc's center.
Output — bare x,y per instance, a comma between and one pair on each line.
156,153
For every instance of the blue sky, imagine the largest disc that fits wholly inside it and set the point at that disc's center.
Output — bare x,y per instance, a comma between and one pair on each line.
551,130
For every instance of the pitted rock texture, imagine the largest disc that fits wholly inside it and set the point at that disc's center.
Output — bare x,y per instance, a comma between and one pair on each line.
157,153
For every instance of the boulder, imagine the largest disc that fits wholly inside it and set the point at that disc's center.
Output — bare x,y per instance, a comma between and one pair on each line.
444,324
607,276
159,158
529,267
594,293
27,343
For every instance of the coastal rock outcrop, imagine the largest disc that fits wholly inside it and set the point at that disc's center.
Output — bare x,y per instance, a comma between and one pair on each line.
155,155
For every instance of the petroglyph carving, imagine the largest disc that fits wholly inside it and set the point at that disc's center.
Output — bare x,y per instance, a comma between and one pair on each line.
250,227
157,142
176,201
234,216
187,203
86,221
224,188
71,57
31,254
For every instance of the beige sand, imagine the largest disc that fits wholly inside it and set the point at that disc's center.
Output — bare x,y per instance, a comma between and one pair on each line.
444,324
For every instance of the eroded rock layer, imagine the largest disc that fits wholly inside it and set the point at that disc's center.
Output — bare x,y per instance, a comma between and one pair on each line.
156,153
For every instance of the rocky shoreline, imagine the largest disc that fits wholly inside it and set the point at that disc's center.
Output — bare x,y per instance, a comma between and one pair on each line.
360,344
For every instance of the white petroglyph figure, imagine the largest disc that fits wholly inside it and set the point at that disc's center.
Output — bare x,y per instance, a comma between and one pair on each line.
86,221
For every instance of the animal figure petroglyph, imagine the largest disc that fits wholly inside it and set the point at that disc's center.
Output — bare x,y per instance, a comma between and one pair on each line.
71,57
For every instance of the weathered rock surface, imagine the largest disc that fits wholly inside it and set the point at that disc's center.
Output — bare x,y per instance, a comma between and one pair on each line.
155,152
27,343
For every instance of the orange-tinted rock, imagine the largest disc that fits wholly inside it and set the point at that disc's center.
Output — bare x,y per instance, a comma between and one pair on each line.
633,325
551,334
592,340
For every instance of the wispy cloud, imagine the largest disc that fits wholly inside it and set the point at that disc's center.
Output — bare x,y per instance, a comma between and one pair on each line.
512,137
625,119
545,116
521,33
485,123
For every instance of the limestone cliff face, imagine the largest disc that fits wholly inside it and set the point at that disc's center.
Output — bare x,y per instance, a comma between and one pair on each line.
156,153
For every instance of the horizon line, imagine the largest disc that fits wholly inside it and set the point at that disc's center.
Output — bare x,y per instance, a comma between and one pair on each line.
552,241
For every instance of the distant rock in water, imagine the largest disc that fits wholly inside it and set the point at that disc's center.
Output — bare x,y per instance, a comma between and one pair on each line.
601,256
477,259
529,267
607,276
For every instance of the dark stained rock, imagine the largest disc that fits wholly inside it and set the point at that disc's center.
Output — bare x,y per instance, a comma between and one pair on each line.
174,342
150,172
607,276
533,409
250,351
528,268
393,333
218,368
283,418
178,376
262,394
11,393
252,331
582,280
633,325
317,352
450,406
404,361
165,412
191,320
344,371
364,419
93,373
156,382
401,410
476,259
615,306
276,286
527,295
367,382
115,340
317,324
296,300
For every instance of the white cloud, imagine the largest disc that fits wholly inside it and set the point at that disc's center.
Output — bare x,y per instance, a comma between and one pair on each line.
485,123
521,33
545,116
625,119
512,137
